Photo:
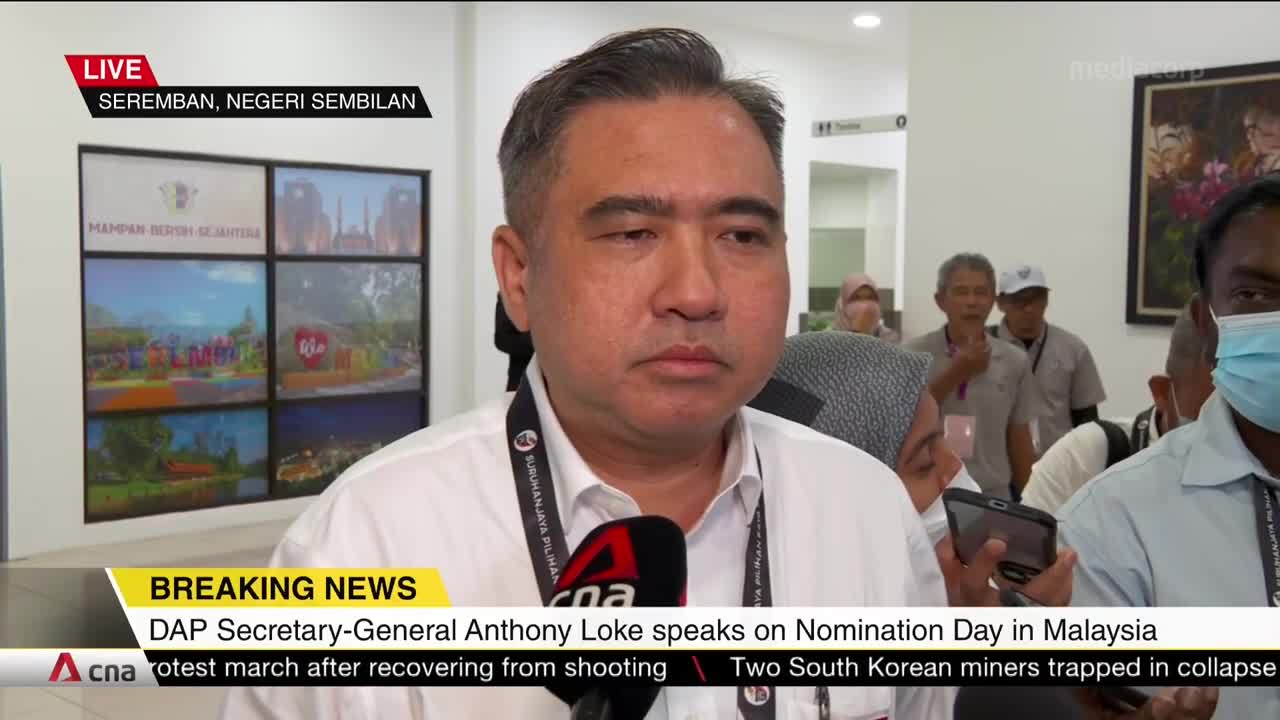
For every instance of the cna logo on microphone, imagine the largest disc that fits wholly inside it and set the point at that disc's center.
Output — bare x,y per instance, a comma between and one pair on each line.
526,441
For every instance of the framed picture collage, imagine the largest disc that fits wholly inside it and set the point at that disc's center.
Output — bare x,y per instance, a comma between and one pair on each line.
252,328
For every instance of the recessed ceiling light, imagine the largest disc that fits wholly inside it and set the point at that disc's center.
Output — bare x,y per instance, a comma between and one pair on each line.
866,21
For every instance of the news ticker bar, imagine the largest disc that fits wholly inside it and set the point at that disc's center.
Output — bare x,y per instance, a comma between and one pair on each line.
227,668
213,101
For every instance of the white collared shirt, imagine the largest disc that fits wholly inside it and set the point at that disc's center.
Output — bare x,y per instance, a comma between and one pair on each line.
1075,459
841,532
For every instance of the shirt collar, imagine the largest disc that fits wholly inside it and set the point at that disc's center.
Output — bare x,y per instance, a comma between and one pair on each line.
573,477
1005,334
1218,456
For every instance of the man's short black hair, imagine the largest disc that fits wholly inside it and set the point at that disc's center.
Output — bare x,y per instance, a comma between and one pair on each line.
635,65
1260,194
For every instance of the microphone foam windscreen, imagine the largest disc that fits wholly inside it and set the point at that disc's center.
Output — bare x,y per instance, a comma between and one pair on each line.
646,553
638,562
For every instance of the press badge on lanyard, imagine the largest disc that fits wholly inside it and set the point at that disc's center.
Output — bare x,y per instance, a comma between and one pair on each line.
544,533
959,432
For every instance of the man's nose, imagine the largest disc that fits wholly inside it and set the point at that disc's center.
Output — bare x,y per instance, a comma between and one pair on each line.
690,285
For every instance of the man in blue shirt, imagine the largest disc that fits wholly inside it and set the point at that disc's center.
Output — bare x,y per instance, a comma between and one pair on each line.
1184,522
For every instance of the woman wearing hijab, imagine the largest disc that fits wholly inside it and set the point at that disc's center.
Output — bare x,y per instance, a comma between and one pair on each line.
875,397
858,309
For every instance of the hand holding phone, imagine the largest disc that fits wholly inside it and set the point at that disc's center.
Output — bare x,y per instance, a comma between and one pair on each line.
1029,535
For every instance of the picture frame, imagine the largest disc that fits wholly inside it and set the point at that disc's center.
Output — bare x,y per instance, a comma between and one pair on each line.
171,203
1196,134
384,212
172,487
317,441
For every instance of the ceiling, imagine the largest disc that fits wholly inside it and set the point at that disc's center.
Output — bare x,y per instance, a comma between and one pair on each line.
827,24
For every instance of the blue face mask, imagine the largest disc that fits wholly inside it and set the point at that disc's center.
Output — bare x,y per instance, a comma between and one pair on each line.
1248,372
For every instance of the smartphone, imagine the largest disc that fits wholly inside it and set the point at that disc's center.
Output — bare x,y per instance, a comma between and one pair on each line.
1122,699
1030,534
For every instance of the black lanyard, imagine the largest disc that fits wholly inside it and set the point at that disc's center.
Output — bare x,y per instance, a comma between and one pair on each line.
1267,504
545,535
1040,353
1140,436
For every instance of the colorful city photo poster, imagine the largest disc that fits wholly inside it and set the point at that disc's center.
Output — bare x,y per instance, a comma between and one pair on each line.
150,464
135,203
348,329
317,441
347,212
174,333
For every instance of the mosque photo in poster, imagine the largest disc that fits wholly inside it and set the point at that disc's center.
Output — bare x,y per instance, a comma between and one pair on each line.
347,212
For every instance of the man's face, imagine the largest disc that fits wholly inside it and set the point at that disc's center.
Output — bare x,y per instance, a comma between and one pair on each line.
1243,275
967,300
1024,311
657,288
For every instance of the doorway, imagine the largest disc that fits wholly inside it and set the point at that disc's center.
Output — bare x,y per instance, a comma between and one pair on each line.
853,216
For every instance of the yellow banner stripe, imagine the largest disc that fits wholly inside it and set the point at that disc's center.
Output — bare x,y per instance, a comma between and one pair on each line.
285,587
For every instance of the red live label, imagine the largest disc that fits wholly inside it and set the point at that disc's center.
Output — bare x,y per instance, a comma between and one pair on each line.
111,70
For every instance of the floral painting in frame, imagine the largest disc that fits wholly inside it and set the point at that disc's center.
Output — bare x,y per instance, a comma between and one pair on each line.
1196,135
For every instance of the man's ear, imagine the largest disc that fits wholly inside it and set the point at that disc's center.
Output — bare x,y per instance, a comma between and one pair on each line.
1002,303
1161,386
1206,328
937,298
511,266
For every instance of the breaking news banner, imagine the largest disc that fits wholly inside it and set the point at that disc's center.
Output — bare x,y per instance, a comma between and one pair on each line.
395,627
124,86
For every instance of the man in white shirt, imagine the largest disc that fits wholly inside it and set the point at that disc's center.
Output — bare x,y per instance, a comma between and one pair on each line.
1086,451
646,255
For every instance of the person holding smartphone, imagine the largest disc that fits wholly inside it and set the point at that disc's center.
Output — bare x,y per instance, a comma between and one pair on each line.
1183,523
875,396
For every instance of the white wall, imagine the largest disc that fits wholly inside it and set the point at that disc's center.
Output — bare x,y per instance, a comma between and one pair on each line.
882,229
838,203
409,44
1012,156
516,41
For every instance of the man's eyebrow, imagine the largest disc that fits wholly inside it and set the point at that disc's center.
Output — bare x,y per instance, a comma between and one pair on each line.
748,205
629,204
1251,273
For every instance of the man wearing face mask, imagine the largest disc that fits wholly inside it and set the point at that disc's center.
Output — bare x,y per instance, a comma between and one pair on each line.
1184,523
1082,454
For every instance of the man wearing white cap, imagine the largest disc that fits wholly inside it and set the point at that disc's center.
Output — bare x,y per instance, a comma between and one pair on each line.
1060,361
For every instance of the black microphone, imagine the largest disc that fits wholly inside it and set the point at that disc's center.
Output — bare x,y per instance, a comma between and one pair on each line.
635,562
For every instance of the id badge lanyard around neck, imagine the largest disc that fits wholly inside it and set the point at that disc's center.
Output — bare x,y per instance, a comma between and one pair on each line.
548,551
1267,506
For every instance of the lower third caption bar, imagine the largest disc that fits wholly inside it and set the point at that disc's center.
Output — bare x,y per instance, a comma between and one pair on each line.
714,668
